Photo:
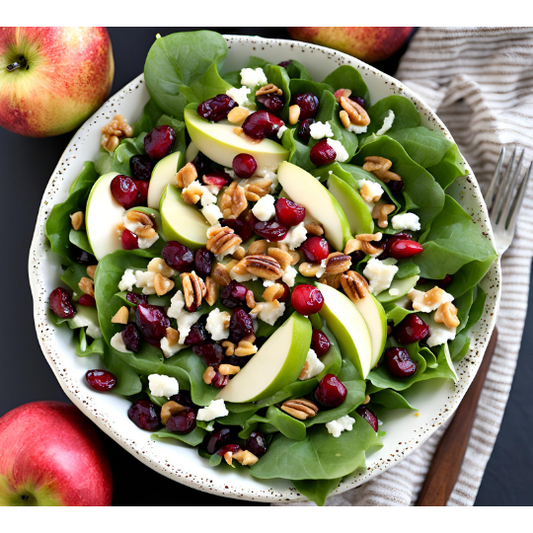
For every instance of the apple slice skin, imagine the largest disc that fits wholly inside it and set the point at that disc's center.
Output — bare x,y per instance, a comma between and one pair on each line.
287,373
163,173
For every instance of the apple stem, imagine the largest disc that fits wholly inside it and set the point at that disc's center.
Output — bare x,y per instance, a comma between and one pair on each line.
13,66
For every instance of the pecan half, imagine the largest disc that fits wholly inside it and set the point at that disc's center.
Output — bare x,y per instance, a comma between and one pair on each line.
194,290
220,276
332,280
355,286
283,257
141,218
314,229
269,89
301,409
357,113
170,409
379,166
212,290
337,263
222,240
262,266
233,201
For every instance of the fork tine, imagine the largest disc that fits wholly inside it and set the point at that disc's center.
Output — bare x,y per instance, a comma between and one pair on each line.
519,199
503,215
503,186
489,196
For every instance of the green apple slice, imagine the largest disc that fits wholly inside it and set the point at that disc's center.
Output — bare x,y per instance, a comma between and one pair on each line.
220,144
164,173
191,152
398,288
102,215
349,327
353,205
277,364
182,222
304,189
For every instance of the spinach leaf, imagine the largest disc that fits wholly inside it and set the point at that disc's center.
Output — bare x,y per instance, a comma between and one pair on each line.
275,421
83,348
279,77
405,114
348,77
206,86
79,238
449,168
298,151
469,276
316,490
194,438
299,86
296,70
128,381
390,400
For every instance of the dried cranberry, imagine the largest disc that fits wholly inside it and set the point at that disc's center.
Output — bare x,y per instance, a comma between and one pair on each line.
272,102
184,398
320,342
395,187
217,108
141,167
203,262
228,448
159,142
61,303
411,329
131,337
307,299
178,256
357,256
101,380
285,64
244,166
182,422
330,391
287,292
308,104
255,444
136,299
87,300
124,191
201,163
236,360
289,213
216,178
261,124
242,226
365,413
152,322
240,325
322,153
445,282
388,240
271,230
212,353
142,188
233,295
219,381
218,439
315,249
398,362
198,334
358,100
304,131
129,240
401,249
144,414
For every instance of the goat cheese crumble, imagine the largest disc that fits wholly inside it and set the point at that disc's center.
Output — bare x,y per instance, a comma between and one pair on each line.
344,423
215,409
319,130
406,221
253,77
387,123
128,280
312,366
425,304
162,385
265,209
340,151
216,324
379,275
295,236
239,95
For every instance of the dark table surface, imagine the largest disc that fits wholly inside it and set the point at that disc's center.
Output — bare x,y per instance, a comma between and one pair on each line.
25,376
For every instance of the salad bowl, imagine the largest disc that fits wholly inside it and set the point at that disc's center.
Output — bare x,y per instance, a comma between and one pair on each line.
406,431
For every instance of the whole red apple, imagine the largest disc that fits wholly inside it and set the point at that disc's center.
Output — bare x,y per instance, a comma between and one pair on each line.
50,454
370,44
52,79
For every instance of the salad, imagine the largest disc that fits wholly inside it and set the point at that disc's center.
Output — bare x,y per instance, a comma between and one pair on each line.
265,263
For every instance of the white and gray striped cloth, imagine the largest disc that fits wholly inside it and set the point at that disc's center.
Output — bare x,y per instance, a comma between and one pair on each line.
480,82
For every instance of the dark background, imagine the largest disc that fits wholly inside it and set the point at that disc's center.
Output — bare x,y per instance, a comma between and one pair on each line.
26,165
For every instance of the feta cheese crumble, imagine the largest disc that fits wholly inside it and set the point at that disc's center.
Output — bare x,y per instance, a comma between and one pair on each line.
281,131
319,130
162,385
387,123
344,423
265,209
406,221
216,324
239,95
252,77
429,301
312,366
370,191
269,312
212,213
118,344
439,334
132,226
177,303
170,349
289,275
215,409
295,236
145,281
342,154
357,129
127,281
379,274
185,322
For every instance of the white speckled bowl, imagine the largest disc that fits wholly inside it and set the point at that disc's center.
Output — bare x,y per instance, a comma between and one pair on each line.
437,399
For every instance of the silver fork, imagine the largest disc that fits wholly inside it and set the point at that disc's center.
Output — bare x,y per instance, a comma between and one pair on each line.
504,200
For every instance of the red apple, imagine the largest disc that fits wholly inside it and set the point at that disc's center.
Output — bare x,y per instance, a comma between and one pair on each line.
370,44
50,454
52,79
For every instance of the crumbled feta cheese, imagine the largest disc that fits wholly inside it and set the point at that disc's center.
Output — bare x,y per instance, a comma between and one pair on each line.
185,322
268,283
387,123
145,281
322,268
289,275
370,191
319,130
295,236
168,349
269,312
379,275
439,334
342,154
281,131
144,243
312,366
253,77
239,95
216,324
163,386
406,221
118,343
128,280
357,129
264,209
212,213
132,226
344,423
177,303
215,409
207,197
429,301
242,278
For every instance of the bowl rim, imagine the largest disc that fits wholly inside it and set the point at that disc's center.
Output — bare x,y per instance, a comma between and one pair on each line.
272,495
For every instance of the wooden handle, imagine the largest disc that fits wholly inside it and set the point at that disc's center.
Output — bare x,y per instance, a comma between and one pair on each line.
450,452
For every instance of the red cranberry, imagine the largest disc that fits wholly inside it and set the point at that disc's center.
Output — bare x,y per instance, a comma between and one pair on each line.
159,142
233,295
285,64
228,448
182,422
101,380
141,167
240,325
289,213
131,337
152,322
315,249
358,100
136,299
178,256
255,444
368,415
307,299
287,292
87,300
445,282
271,231
322,153
388,240
330,391
61,303
244,166
395,187
203,262
398,363
219,381
242,226
212,353
198,334
143,413
201,163
217,108
219,438
320,342
129,240
261,124
184,398
411,329
216,178
308,104
304,131
401,249
272,102
124,191
142,188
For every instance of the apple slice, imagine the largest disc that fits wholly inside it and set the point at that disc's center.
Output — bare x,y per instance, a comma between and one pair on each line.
398,288
221,144
352,204
304,189
277,364
182,222
102,215
349,327
164,173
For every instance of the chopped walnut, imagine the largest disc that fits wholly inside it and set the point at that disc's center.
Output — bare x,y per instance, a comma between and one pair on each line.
233,201
447,314
379,166
381,211
114,132
186,175
87,286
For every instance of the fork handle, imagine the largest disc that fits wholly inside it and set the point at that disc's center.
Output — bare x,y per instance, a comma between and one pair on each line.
450,452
